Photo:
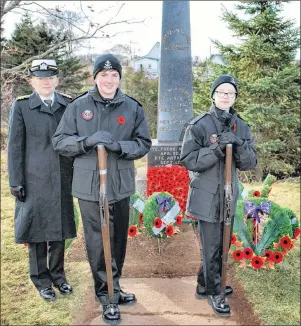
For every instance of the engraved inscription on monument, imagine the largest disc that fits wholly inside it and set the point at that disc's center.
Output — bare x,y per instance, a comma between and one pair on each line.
181,42
175,105
164,154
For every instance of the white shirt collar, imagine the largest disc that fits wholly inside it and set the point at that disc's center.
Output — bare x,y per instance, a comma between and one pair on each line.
47,98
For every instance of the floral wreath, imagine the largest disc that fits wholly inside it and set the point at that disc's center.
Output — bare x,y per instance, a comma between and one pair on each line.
263,232
159,216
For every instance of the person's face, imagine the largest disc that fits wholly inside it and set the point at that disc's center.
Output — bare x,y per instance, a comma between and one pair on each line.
44,86
107,82
224,96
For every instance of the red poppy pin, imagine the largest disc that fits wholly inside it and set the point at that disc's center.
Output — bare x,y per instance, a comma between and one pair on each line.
213,138
121,120
87,115
234,127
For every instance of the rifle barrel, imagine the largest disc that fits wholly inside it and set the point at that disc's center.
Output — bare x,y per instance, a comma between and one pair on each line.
227,217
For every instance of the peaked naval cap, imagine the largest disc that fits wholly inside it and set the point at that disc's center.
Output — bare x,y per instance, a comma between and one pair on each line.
43,68
106,61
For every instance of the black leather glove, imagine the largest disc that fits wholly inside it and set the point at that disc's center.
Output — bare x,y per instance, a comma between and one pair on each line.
114,147
100,137
18,192
229,138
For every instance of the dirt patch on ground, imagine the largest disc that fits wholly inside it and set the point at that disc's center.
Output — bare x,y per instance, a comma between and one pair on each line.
173,257
151,257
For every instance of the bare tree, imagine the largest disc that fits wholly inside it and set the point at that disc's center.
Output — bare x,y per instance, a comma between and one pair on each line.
78,27
78,34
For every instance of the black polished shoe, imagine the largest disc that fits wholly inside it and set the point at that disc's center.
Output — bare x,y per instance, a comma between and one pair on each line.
126,298
111,314
48,294
220,306
200,292
64,288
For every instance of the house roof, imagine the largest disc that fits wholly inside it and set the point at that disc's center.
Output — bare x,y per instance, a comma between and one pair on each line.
145,57
153,54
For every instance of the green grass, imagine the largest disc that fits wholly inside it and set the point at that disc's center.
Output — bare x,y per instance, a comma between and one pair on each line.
275,294
20,301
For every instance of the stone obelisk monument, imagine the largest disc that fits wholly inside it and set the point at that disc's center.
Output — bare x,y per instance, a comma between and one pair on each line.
175,105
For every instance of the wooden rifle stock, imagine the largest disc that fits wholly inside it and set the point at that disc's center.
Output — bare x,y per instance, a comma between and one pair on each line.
104,217
227,217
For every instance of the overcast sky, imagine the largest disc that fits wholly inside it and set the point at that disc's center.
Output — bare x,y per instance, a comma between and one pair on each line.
204,16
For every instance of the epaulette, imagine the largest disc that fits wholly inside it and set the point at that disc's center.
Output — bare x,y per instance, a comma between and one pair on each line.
134,99
22,97
66,95
196,119
79,96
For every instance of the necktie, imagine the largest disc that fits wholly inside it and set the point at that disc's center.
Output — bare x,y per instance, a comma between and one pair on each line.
48,103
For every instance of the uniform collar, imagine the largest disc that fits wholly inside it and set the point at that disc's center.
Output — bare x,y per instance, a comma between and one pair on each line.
227,118
60,99
119,97
36,101
51,98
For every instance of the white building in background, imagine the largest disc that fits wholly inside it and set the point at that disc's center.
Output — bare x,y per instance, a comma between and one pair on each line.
217,59
150,62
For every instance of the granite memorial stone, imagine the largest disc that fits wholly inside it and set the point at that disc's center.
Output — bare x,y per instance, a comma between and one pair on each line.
175,105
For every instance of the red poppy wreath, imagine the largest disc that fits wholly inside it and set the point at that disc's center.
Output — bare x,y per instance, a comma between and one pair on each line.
263,233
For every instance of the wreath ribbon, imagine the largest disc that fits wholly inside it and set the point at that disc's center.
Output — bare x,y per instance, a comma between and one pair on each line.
253,210
164,203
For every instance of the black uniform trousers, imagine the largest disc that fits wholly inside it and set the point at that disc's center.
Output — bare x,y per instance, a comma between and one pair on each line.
119,223
41,275
209,274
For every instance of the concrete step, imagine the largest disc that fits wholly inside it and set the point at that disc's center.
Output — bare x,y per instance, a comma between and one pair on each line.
166,301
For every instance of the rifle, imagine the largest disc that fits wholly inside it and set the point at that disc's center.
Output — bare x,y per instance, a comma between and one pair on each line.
104,217
226,217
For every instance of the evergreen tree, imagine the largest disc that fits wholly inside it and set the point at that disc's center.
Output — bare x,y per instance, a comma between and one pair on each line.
269,77
145,90
28,40
202,80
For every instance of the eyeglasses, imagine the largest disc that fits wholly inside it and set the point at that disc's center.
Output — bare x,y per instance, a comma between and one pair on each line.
222,94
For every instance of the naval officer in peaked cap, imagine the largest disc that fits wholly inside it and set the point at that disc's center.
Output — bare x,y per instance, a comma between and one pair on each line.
40,179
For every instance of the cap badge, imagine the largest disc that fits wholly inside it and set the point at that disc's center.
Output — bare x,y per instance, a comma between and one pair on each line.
233,81
87,115
213,138
108,65
43,66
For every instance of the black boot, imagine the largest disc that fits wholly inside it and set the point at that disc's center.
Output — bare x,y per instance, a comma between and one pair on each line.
219,305
111,314
200,292
126,298
48,294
